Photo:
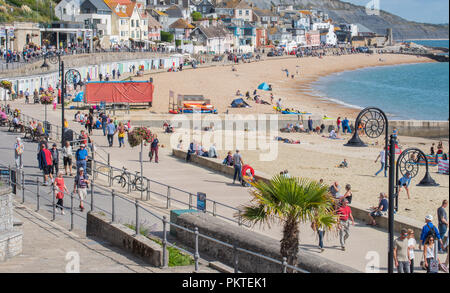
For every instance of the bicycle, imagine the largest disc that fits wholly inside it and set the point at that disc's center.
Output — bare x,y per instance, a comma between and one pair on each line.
124,178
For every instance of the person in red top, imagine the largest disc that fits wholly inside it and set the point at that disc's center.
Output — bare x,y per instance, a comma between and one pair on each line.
83,137
344,213
60,188
45,160
338,122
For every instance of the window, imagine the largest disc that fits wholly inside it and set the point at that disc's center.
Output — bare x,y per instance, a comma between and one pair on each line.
247,12
64,11
240,12
132,34
137,23
132,23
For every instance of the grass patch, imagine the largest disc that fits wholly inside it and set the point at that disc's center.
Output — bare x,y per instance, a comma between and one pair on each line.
176,257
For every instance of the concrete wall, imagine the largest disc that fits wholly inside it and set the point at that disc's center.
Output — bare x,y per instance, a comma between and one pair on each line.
243,238
123,237
10,238
360,211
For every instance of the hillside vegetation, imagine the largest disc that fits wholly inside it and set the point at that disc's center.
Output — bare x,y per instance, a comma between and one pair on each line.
27,10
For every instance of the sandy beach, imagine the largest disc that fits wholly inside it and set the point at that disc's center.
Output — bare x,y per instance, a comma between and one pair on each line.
220,83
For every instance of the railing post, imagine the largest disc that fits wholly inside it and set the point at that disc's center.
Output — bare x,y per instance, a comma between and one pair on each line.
284,265
214,208
239,218
23,187
110,175
164,243
196,255
71,211
113,214
53,202
168,198
37,194
190,200
92,196
137,217
235,259
148,190
129,183
10,176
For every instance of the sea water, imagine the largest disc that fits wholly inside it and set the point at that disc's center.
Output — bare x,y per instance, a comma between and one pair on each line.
413,91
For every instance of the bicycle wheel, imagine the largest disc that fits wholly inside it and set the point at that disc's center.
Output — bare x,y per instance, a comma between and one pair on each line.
138,184
120,180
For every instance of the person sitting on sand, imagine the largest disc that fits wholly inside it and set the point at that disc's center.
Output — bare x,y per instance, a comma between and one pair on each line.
333,134
247,95
344,164
378,211
238,93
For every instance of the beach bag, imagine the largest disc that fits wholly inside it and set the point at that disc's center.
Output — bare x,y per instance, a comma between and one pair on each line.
20,151
434,266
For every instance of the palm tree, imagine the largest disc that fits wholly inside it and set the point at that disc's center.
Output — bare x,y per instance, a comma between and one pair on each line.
290,201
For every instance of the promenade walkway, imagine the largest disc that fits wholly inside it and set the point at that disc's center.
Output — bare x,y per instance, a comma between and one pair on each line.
366,247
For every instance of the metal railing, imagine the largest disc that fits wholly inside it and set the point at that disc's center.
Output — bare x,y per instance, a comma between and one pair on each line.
18,181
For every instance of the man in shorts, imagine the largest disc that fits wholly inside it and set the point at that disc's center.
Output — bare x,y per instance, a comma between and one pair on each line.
80,186
405,181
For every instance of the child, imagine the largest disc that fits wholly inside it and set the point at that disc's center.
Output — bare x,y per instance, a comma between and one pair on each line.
60,187
343,164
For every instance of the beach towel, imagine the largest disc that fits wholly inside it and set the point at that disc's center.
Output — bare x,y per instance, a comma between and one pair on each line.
443,167
431,161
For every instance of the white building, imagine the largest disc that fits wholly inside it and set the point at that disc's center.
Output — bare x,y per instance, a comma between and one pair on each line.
68,10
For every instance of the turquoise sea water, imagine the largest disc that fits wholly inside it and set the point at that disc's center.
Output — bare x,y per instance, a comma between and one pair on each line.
413,91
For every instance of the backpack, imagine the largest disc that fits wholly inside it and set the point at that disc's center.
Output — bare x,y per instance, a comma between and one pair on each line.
431,232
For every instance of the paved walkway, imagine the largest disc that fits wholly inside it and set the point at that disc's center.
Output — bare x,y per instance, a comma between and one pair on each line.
366,246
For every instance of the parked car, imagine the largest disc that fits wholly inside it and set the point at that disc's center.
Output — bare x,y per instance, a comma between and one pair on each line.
270,54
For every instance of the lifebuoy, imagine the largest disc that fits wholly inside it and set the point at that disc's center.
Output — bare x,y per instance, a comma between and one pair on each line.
247,167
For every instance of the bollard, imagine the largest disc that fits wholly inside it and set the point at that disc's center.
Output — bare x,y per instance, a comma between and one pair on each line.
37,195
54,204
148,190
284,265
137,217
113,214
71,211
235,259
168,197
92,196
164,243
23,187
196,255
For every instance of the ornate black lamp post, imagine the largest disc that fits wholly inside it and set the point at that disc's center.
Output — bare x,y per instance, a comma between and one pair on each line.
409,161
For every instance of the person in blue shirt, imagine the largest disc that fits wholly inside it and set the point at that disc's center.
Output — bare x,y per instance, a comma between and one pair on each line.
405,181
346,126
383,206
310,124
110,130
81,156
429,229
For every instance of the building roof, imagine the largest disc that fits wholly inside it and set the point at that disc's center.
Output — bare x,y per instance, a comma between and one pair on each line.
174,12
242,5
228,4
99,4
214,31
152,22
263,12
307,12
160,13
181,24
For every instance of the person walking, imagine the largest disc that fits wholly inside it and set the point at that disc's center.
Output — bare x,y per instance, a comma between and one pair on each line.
55,157
45,163
442,222
338,123
237,163
121,134
428,254
411,246
429,230
319,229
344,213
104,121
67,158
401,252
110,130
81,156
346,126
60,188
382,157
18,152
80,186
154,147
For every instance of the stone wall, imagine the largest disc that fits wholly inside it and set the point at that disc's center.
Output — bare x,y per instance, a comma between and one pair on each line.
10,238
125,238
245,239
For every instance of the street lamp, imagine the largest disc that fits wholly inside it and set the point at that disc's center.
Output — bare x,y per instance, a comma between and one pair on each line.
409,161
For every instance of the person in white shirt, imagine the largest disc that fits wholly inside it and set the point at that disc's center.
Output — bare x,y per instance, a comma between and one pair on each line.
18,151
212,151
411,246
67,158
382,157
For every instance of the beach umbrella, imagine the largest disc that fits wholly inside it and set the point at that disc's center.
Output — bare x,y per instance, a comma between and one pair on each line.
264,86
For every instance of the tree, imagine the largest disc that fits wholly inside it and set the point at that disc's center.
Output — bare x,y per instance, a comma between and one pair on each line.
196,16
177,43
290,201
167,37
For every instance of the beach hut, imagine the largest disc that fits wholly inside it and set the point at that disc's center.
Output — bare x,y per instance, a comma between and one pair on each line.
264,86
239,103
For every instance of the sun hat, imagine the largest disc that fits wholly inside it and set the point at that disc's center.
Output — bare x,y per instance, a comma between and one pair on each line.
81,169
429,218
